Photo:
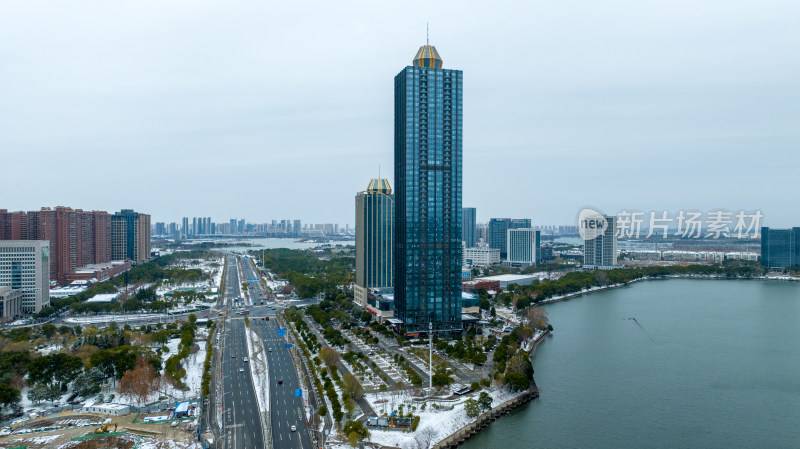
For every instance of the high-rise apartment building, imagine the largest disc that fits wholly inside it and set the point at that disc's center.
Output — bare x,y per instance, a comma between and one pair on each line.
780,248
601,251
427,168
130,236
468,227
160,228
374,239
25,265
523,247
77,238
498,232
297,227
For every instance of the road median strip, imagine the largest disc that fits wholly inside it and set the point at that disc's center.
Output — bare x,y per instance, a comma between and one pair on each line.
255,351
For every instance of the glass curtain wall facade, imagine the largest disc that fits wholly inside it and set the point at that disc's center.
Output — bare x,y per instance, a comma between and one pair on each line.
468,227
780,248
428,161
498,230
374,235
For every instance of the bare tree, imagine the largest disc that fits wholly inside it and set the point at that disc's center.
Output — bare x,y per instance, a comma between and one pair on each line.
139,382
425,436
520,363
536,317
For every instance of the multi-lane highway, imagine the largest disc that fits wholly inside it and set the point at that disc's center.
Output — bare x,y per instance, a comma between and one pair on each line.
255,289
241,416
286,409
232,283
242,422
241,419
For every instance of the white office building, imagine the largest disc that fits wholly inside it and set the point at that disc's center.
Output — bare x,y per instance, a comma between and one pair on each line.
523,247
481,257
25,264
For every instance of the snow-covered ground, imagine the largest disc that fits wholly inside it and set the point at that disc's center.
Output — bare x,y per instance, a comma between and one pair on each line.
276,285
444,422
145,442
537,334
258,368
211,267
581,292
780,277
193,364
98,319
138,318
35,440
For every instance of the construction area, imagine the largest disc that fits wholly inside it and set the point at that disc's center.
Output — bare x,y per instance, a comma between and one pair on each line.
92,431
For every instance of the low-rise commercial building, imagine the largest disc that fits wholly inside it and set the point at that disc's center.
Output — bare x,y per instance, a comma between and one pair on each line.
100,272
470,303
65,292
10,304
107,409
504,280
103,298
380,303
481,257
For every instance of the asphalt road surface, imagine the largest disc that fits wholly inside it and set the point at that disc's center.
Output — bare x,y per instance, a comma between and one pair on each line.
242,421
286,409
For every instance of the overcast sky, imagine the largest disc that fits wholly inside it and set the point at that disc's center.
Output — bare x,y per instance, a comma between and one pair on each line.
270,110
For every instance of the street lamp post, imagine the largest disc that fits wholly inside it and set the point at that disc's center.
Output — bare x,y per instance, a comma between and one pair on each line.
430,354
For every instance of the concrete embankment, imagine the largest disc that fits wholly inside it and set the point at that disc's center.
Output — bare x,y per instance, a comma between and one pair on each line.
487,418
656,278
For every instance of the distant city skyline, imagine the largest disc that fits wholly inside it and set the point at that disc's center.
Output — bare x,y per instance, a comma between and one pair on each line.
207,110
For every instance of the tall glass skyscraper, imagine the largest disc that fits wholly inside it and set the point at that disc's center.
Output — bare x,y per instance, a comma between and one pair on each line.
374,239
427,170
468,227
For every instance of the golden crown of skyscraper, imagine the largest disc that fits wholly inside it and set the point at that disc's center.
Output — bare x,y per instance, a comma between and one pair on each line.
427,56
379,185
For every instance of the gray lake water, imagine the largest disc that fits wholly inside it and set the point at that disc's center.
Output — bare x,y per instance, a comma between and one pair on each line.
258,243
715,364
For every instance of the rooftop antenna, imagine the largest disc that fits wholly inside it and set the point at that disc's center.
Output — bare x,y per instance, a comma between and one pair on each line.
427,34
